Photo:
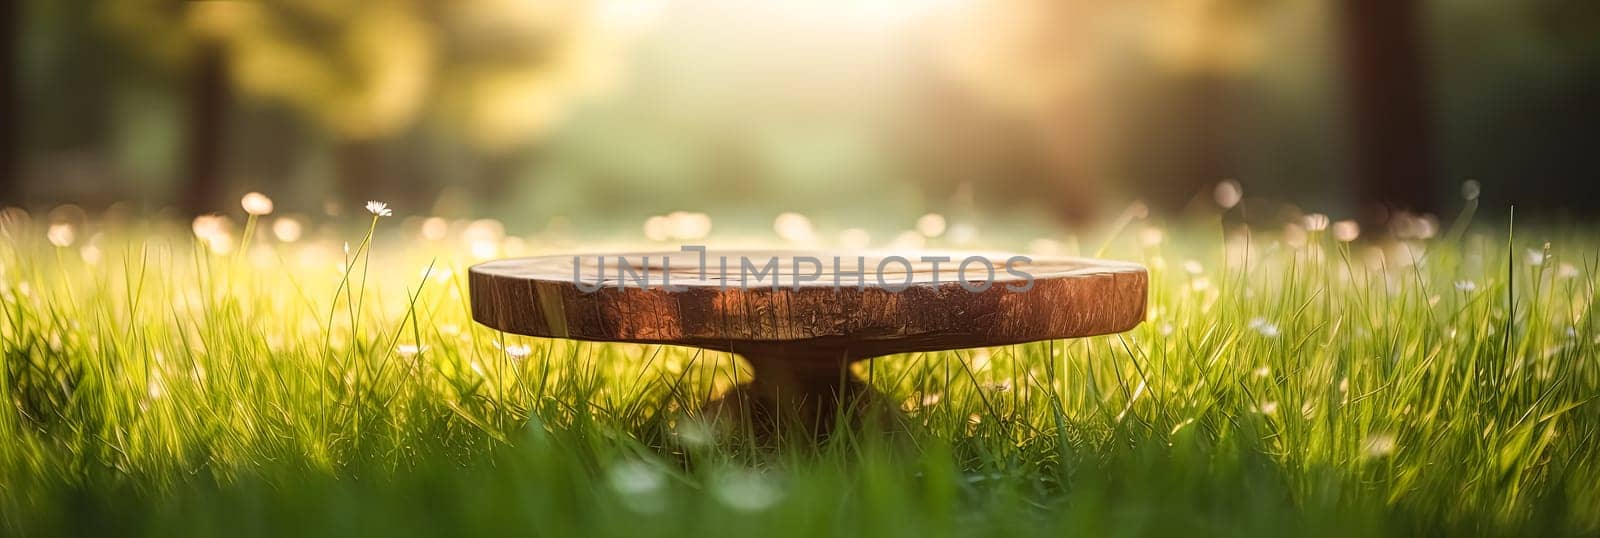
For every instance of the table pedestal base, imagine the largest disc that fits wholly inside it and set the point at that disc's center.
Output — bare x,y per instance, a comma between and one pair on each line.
790,395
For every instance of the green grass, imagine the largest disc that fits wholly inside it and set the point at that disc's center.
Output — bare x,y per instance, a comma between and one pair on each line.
153,387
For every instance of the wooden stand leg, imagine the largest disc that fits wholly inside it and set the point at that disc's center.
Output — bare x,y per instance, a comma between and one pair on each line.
786,394
798,395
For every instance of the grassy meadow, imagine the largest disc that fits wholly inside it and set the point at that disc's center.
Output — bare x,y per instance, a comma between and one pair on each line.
234,378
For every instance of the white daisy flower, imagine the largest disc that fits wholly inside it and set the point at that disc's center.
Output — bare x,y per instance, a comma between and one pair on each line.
380,209
256,203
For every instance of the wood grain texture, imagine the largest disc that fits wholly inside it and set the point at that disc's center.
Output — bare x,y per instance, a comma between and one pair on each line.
808,322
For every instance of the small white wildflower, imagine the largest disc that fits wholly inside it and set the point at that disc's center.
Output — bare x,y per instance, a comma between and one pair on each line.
61,235
519,351
1316,222
377,208
746,491
1267,408
1267,329
1466,286
639,484
410,350
1535,257
695,433
1165,329
287,229
1262,371
256,204
208,226
634,478
1346,230
1193,267
1151,236
1567,270
1227,194
1378,445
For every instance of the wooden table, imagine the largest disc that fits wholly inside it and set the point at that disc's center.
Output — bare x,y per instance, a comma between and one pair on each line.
800,324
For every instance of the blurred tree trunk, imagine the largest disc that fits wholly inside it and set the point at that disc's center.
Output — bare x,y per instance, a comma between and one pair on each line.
207,130
359,162
1206,104
1070,166
10,141
1385,81
412,172
394,170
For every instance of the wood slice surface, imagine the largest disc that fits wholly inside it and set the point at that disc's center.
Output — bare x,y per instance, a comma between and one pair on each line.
863,305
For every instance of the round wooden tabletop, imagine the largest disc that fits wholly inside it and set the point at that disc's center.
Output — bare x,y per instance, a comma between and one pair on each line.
815,306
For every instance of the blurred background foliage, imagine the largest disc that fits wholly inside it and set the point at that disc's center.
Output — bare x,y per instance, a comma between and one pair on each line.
608,111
